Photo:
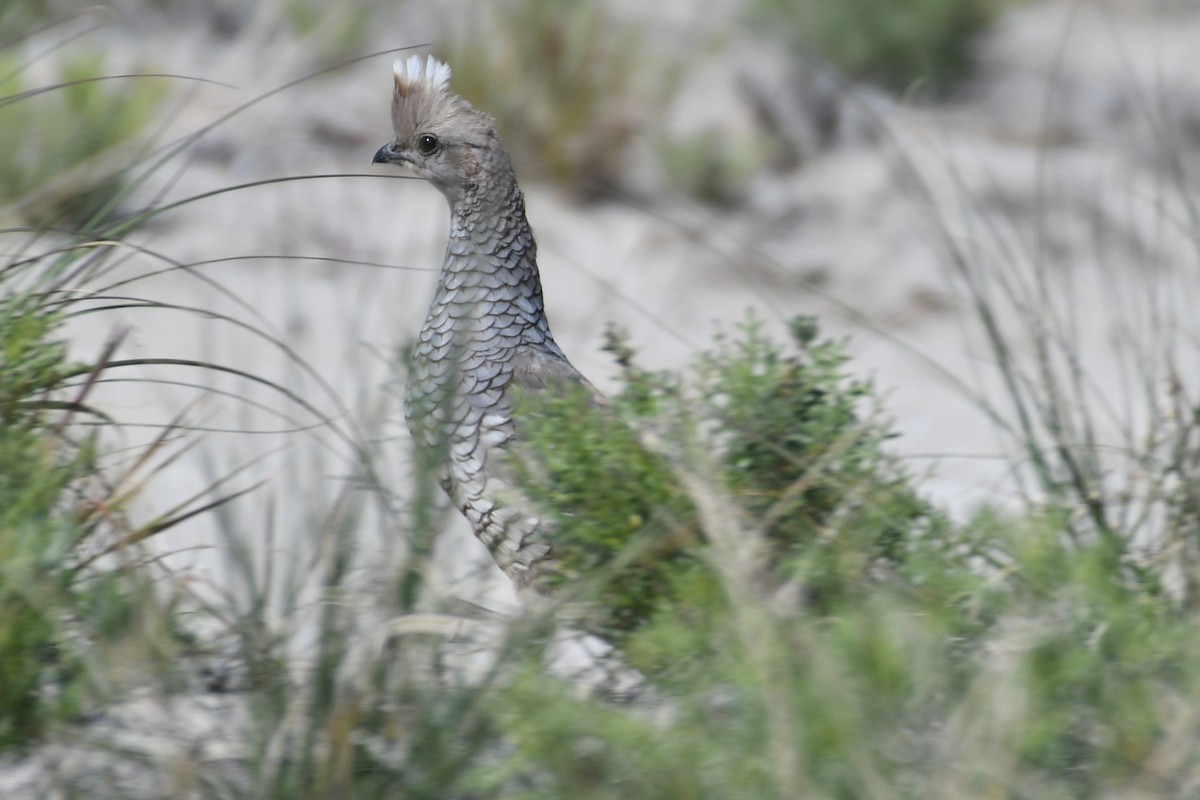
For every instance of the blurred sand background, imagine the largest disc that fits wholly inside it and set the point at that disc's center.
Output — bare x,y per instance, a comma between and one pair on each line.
1052,155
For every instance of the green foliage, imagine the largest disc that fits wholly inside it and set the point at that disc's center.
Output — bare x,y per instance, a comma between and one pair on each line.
621,521
32,540
70,632
898,43
576,748
801,464
30,362
1054,678
871,650
875,645
61,154
808,474
1090,661
36,532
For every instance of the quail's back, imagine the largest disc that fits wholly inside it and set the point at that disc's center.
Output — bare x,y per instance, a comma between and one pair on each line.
486,334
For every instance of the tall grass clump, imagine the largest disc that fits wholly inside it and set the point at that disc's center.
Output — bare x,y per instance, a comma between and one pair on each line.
570,86
102,630
64,147
713,168
1104,429
89,615
899,44
70,634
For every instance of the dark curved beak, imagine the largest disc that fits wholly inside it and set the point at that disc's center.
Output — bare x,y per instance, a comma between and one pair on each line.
388,154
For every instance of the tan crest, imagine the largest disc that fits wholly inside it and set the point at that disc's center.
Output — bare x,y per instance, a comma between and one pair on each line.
416,74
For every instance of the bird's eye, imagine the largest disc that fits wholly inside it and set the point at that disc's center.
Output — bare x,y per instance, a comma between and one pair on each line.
427,143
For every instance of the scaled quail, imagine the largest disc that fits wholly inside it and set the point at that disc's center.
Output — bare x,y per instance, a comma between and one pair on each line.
486,336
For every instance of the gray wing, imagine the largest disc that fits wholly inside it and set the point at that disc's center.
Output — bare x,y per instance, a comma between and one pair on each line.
504,517
538,370
545,373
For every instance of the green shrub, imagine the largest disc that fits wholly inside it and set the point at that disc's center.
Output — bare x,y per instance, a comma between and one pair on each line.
993,656
621,520
804,462
793,449
872,637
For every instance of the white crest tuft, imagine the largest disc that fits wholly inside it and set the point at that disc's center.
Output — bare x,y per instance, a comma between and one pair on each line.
414,70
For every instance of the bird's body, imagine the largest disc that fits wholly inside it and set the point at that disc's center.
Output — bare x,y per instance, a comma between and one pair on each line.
486,336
